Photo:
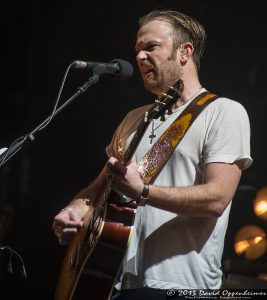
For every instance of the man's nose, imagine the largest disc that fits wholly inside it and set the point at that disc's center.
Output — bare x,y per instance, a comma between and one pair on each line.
141,55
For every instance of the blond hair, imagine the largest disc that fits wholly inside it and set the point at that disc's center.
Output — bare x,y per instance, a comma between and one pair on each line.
185,29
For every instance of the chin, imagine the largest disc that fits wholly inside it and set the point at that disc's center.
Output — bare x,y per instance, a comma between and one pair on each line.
154,86
151,87
150,82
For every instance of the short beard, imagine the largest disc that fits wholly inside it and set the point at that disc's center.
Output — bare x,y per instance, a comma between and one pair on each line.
166,76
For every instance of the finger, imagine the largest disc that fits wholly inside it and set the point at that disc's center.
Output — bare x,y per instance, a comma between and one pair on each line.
67,223
132,160
114,167
56,228
109,178
75,218
61,233
66,235
69,231
64,241
110,163
116,179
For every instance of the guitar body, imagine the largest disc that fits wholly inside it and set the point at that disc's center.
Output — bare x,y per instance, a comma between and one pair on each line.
94,257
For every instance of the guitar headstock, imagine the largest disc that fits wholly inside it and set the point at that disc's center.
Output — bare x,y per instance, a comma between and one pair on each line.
165,103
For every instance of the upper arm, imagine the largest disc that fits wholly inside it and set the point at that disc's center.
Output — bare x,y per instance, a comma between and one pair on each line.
222,180
228,134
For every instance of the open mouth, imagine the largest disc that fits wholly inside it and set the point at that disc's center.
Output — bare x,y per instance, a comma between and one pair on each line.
149,72
147,69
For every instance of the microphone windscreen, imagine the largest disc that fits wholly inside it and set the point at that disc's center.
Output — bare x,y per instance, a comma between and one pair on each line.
126,69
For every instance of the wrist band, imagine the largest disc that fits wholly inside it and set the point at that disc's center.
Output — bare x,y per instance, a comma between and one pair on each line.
142,198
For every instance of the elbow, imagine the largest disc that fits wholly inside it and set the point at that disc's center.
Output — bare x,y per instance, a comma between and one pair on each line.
216,212
217,207
217,200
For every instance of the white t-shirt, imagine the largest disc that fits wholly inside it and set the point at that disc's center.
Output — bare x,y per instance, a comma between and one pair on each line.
172,251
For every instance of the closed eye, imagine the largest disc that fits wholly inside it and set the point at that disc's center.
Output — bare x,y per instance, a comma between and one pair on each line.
148,48
151,47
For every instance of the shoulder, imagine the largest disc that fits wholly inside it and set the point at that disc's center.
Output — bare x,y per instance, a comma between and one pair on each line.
227,107
225,114
226,103
127,126
137,112
132,118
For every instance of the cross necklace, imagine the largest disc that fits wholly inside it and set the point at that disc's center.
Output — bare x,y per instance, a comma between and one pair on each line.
174,109
152,135
153,130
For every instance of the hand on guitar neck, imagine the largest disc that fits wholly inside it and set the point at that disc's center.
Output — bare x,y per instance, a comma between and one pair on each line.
125,180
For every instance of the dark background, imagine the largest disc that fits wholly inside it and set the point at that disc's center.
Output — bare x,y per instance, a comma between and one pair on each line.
39,40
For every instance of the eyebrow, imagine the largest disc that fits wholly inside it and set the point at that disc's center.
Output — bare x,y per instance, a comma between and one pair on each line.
146,43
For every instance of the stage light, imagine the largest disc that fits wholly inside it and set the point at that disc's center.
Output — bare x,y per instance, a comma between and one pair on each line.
251,242
260,204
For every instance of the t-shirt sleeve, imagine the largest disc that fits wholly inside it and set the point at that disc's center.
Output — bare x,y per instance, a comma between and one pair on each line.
125,130
228,134
113,147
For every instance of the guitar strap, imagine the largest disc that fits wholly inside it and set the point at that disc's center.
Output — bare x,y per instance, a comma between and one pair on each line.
155,159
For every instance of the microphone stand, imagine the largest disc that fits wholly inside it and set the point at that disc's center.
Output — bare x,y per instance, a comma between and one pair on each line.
13,149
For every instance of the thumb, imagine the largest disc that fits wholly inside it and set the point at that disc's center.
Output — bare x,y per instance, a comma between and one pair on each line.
133,161
115,166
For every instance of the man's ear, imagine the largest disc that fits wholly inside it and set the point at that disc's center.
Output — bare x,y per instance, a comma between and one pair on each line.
186,51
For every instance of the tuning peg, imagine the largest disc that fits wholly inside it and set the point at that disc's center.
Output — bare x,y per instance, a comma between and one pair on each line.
167,95
146,117
162,118
160,102
172,88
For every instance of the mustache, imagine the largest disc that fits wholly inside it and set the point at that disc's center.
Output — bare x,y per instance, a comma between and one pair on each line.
147,63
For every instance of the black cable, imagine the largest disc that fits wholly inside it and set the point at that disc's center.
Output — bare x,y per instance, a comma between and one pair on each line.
29,135
9,265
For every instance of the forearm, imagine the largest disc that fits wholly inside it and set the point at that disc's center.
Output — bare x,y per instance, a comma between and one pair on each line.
81,202
204,200
85,198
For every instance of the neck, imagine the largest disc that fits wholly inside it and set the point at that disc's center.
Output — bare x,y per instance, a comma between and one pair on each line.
190,84
190,92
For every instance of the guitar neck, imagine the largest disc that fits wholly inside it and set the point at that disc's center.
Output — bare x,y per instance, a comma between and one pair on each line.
157,110
136,139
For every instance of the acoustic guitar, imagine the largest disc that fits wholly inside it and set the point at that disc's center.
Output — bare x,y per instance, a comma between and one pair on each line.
94,257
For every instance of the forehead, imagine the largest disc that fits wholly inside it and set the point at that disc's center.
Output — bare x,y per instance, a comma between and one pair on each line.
154,30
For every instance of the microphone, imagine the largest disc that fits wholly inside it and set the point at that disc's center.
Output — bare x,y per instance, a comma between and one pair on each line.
2,150
118,68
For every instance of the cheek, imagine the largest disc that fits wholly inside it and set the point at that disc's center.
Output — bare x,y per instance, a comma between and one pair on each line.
170,70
